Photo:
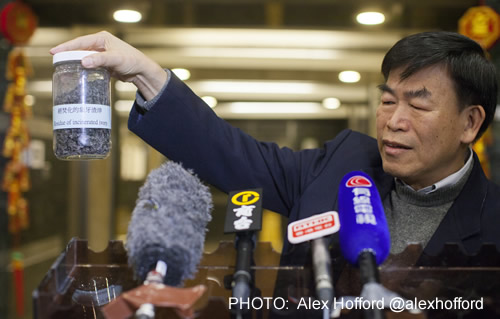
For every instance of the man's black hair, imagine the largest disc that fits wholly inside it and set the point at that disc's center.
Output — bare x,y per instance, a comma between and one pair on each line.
473,75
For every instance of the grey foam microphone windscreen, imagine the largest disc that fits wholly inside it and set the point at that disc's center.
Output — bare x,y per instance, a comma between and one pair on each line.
169,223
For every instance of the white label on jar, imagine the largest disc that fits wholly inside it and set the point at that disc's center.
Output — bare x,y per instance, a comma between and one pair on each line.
66,116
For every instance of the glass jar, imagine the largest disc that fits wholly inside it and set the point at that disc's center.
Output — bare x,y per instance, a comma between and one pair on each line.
82,108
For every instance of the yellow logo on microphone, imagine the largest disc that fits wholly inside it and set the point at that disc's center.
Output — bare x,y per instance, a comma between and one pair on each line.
245,198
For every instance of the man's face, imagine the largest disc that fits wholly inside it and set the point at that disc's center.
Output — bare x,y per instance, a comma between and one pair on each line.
420,127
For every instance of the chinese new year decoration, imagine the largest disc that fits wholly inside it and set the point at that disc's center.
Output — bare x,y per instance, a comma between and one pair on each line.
481,24
17,25
16,174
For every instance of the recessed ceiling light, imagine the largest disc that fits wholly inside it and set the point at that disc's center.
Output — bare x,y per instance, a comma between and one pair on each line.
127,16
29,100
274,107
349,76
331,103
210,100
260,87
370,18
182,74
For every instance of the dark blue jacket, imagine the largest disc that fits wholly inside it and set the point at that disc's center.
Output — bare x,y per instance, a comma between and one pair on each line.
297,184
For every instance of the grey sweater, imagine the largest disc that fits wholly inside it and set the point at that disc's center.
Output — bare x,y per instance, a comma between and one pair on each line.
413,217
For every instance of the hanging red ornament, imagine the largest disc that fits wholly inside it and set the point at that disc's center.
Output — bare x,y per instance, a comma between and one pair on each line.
17,22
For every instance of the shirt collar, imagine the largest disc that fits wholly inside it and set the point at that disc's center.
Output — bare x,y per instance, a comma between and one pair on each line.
447,181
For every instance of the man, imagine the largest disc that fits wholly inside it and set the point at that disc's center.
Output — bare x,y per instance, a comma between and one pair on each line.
438,98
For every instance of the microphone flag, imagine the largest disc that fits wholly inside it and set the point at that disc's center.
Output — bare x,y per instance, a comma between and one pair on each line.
244,211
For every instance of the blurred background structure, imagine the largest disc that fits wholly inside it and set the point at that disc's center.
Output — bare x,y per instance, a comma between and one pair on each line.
291,71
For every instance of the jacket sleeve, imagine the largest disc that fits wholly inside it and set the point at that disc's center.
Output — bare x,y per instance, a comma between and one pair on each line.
184,129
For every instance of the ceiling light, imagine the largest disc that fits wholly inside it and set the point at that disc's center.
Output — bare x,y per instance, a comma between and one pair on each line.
29,100
349,76
40,86
127,16
274,107
210,100
262,53
262,87
331,103
253,38
370,18
244,90
182,74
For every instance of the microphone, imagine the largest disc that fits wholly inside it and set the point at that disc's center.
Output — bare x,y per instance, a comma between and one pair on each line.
315,228
364,235
166,233
243,218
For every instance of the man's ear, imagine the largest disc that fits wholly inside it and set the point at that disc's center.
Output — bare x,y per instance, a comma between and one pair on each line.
474,116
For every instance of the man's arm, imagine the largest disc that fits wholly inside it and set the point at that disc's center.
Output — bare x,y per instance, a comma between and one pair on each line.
183,128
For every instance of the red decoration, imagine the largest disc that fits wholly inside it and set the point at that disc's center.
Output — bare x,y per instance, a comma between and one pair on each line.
17,22
481,24
18,274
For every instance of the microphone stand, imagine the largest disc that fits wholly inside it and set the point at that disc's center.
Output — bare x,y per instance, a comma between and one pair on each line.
322,273
368,272
242,278
156,276
244,218
145,311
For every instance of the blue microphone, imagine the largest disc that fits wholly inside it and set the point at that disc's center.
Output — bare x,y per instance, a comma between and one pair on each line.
364,226
364,234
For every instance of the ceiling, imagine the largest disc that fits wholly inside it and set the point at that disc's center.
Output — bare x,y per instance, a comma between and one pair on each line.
331,14
299,45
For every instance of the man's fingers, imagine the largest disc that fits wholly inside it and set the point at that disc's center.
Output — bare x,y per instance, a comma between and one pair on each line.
91,61
121,66
105,59
122,60
96,42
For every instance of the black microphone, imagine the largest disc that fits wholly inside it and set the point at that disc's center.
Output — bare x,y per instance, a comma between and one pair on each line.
364,235
243,218
168,224
315,228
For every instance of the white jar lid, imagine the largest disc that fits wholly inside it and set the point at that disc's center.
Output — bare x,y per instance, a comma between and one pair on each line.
70,56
